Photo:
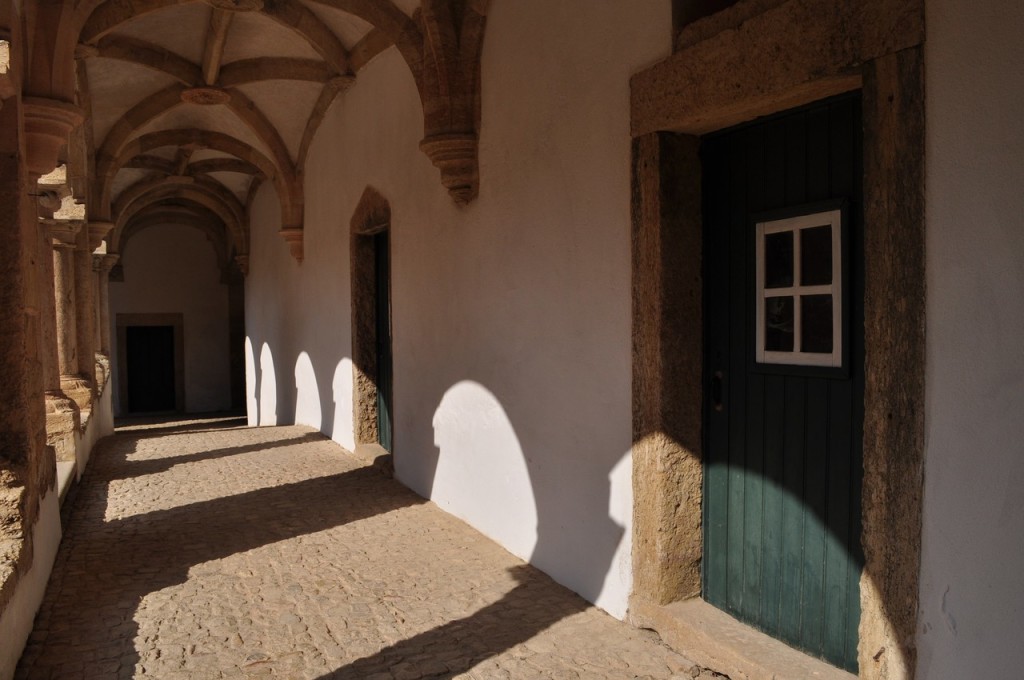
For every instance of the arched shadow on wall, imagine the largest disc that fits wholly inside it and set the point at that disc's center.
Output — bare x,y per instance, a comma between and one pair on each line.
252,383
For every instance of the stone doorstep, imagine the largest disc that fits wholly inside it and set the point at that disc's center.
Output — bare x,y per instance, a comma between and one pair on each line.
66,472
715,640
376,456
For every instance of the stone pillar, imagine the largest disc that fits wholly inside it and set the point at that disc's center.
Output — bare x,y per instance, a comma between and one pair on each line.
84,299
74,385
103,263
62,415
31,131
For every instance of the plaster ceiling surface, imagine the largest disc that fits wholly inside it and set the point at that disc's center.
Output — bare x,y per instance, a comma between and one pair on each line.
287,104
254,35
180,29
198,43
215,118
351,29
126,178
238,183
208,154
116,86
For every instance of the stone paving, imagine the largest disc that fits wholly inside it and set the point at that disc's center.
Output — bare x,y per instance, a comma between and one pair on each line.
206,549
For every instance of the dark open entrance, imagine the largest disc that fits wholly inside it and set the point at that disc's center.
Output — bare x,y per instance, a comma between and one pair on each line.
784,348
382,297
150,368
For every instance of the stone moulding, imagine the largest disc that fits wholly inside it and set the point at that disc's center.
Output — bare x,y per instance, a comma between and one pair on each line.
455,155
205,96
293,236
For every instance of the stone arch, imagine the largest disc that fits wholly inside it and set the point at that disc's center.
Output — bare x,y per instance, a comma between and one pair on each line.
207,194
372,216
193,217
289,196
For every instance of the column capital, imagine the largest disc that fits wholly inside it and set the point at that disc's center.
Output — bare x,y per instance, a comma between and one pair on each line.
103,263
48,125
98,231
63,232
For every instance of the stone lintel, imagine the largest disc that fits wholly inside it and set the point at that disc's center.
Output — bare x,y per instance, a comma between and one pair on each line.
763,66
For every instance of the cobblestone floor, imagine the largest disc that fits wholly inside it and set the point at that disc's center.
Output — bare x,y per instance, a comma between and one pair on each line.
211,550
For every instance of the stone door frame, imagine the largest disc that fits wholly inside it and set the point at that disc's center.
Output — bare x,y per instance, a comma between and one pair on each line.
756,58
177,321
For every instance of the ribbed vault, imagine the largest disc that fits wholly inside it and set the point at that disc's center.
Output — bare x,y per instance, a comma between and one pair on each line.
190,105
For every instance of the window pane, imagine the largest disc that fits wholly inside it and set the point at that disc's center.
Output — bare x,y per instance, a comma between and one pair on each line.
816,324
778,324
816,256
778,260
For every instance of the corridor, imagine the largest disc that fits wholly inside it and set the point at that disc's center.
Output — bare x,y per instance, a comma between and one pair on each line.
205,549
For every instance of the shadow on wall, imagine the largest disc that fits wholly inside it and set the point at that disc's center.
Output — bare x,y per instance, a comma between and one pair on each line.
566,516
268,387
252,382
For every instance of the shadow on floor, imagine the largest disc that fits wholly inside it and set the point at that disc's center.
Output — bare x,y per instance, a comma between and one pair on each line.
457,646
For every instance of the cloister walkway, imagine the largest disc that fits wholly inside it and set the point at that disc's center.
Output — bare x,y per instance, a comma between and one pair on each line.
206,549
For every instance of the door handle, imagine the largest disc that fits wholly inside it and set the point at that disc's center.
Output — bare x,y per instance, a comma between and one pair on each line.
716,390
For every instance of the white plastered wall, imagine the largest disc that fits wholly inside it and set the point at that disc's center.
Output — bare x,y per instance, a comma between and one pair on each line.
173,269
972,600
511,318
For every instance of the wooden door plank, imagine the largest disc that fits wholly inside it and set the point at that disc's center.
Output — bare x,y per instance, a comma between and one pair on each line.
791,610
716,476
815,503
837,535
737,369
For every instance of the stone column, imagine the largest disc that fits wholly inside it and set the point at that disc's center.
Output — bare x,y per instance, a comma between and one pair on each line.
62,415
74,385
84,299
103,263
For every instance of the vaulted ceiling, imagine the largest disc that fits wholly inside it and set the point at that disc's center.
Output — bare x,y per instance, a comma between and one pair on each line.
191,105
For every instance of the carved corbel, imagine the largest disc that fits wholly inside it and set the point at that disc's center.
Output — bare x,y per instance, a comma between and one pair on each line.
98,231
293,236
48,126
455,155
453,37
243,264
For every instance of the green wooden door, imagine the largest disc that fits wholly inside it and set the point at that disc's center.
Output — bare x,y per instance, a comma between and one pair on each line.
783,272
382,296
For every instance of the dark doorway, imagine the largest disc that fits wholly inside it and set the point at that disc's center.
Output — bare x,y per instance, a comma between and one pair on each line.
150,369
382,297
783,364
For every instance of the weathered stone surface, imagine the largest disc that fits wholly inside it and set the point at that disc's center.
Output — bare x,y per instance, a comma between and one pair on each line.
789,54
210,551
667,366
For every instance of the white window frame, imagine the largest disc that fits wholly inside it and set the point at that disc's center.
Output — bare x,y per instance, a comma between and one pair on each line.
833,219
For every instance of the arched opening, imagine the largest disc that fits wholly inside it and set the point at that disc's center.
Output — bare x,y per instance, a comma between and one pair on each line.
370,255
